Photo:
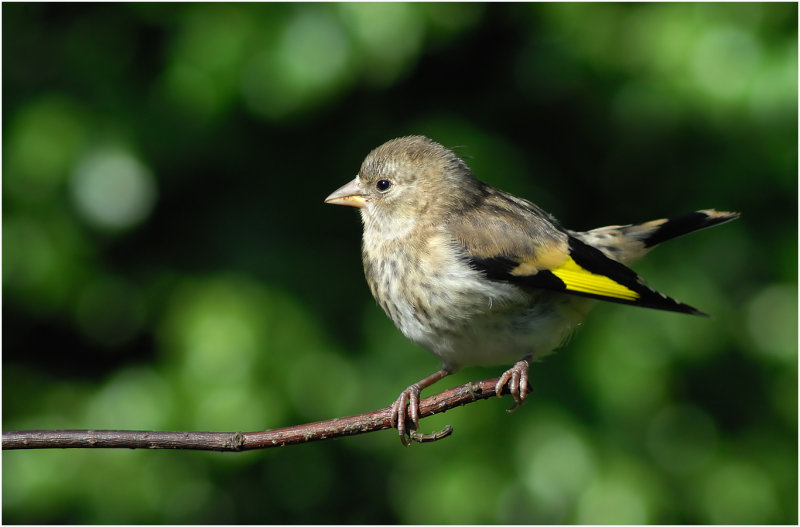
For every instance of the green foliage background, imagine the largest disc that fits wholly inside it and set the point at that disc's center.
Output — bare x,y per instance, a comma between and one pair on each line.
168,262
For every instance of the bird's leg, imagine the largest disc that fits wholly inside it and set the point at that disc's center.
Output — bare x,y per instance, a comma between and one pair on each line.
517,379
409,399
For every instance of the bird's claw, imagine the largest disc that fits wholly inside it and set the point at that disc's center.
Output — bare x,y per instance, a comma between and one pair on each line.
407,401
517,379
413,435
399,407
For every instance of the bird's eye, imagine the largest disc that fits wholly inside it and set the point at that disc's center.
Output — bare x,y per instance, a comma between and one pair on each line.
383,185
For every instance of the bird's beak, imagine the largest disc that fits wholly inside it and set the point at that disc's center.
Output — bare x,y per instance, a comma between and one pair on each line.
350,195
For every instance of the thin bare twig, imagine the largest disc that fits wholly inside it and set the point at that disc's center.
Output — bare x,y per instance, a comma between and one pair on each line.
238,441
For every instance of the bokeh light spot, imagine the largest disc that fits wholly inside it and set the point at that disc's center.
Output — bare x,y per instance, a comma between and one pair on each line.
389,36
112,189
133,398
308,63
724,62
681,438
206,58
738,493
43,256
44,139
542,454
214,328
612,500
314,50
773,93
772,322
28,253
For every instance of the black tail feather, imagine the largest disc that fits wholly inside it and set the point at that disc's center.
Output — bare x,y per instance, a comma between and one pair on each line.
686,223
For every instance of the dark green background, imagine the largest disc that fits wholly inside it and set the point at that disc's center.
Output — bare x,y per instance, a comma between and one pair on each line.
168,262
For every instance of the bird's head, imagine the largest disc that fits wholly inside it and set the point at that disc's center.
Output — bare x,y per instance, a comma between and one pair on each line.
405,180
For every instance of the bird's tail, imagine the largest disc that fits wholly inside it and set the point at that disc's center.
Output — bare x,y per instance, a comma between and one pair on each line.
628,243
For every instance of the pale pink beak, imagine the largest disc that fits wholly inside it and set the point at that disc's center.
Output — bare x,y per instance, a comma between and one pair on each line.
350,194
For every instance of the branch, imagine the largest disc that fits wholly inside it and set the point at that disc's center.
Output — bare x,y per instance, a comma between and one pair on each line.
238,441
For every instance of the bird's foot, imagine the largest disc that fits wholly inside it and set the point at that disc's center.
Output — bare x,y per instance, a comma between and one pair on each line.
408,404
409,398
517,379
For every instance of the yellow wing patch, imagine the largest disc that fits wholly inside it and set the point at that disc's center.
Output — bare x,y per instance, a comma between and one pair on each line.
578,279
547,256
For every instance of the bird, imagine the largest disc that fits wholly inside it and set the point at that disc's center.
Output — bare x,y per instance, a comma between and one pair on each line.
480,277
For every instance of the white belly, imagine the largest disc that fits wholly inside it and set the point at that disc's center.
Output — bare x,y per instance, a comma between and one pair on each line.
464,319
503,335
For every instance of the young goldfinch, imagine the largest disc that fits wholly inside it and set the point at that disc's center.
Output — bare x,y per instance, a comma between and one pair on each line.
480,277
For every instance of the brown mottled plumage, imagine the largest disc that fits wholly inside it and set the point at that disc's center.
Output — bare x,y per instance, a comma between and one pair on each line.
478,276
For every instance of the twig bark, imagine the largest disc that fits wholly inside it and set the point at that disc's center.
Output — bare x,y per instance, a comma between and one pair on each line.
238,441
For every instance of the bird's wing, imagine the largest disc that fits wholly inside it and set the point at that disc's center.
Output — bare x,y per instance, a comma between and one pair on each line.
514,241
